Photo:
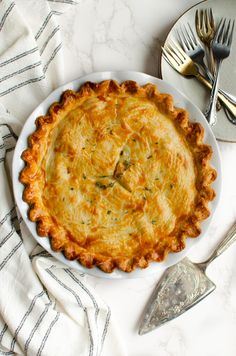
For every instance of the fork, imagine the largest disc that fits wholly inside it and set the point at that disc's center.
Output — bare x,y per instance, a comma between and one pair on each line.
205,27
221,45
194,49
184,65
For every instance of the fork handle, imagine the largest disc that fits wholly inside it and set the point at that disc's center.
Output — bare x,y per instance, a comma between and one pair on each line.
211,107
207,74
211,61
227,103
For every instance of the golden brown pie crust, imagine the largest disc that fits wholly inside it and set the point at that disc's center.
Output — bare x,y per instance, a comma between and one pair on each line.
116,176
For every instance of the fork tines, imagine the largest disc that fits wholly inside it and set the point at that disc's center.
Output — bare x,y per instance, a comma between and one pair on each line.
187,38
224,32
174,54
169,50
204,20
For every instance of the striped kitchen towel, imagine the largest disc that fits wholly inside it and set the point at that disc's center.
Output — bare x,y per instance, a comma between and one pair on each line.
45,307
31,62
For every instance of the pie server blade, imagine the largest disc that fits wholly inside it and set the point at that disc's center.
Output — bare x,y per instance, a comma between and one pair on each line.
180,288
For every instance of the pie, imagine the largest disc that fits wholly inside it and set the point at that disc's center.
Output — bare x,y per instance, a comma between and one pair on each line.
116,176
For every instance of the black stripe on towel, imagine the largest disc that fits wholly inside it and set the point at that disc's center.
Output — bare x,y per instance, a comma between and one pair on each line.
40,31
36,326
3,145
25,317
13,59
30,81
106,325
65,287
56,29
6,259
45,68
20,71
11,131
6,352
4,240
68,271
5,327
71,2
10,213
6,14
43,253
47,334
80,304
6,136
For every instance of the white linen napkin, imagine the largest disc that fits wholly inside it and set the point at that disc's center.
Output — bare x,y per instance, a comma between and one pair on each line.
45,307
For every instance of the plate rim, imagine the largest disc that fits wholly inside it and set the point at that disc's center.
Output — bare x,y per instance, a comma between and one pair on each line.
116,274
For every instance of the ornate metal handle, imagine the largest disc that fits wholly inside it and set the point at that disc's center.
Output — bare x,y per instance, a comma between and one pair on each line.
223,245
211,108
211,60
228,104
208,76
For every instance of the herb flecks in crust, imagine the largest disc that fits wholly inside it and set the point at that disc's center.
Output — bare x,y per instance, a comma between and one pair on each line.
116,176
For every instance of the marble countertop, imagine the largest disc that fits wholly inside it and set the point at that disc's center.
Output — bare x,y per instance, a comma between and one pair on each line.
126,35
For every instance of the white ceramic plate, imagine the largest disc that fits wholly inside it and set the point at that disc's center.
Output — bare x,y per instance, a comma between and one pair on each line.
223,130
141,78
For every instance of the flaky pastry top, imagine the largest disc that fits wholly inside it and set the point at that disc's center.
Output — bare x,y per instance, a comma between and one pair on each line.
116,176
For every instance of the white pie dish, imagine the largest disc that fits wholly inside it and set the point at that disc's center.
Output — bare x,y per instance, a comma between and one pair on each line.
180,100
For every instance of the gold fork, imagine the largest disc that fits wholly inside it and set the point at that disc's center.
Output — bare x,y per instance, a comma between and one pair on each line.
205,28
184,65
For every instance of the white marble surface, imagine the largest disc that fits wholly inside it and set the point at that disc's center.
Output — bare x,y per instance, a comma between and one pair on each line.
127,34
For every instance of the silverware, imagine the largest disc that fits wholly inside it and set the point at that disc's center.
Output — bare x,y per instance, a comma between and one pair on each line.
184,65
220,45
196,52
205,19
230,117
205,28
181,287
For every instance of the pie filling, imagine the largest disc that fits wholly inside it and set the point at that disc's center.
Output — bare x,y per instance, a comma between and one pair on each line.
118,181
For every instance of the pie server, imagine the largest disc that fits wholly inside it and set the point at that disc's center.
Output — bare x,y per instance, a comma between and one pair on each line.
180,288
